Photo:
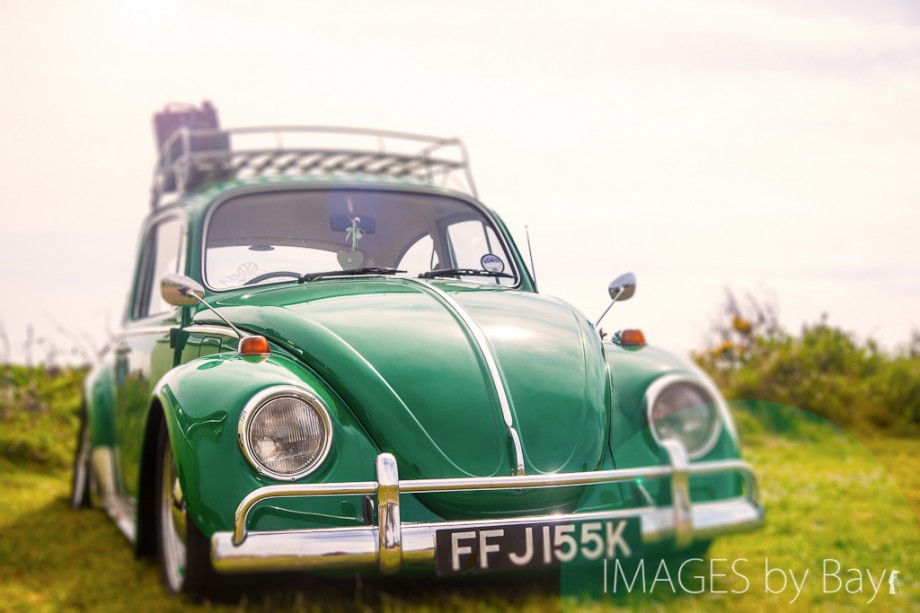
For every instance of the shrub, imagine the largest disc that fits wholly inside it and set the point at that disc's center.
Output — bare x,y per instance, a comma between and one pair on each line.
39,414
824,369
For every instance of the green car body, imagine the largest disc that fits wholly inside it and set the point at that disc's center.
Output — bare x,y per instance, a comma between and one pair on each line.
450,402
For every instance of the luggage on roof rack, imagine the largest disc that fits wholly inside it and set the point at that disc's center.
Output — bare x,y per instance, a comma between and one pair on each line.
181,115
176,116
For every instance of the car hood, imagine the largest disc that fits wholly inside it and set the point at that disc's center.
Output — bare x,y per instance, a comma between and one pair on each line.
409,368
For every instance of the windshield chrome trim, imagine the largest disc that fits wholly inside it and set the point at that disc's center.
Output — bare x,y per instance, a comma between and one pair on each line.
488,354
498,228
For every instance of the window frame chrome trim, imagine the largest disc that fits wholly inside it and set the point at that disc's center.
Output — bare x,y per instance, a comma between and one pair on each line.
160,217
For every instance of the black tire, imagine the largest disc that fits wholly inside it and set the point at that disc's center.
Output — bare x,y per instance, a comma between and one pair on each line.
183,551
81,481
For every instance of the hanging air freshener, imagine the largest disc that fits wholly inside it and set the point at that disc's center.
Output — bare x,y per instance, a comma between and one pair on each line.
350,260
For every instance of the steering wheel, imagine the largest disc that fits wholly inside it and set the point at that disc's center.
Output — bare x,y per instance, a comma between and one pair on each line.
269,275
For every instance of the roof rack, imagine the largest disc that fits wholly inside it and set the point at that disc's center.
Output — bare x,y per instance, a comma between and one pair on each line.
192,158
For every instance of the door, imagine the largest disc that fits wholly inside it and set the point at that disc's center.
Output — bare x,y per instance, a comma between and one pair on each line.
143,353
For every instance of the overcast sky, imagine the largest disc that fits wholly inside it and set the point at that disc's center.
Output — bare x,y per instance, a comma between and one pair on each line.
765,147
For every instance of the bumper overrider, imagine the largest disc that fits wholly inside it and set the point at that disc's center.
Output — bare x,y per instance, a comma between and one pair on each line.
391,543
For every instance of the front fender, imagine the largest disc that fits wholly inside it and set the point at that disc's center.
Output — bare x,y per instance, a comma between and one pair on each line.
202,401
632,370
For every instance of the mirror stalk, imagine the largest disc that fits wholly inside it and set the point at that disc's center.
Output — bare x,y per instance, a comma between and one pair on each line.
612,302
621,288
201,300
181,291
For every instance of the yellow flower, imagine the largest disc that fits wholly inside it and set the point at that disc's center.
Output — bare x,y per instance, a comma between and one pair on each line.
741,325
723,349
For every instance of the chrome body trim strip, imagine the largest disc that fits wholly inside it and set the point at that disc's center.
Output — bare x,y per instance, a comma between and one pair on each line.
485,349
518,452
210,329
392,543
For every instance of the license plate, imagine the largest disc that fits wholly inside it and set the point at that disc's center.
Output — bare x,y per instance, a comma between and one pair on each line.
517,546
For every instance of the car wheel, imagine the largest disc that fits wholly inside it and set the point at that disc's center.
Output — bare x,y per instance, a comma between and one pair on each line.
82,479
184,552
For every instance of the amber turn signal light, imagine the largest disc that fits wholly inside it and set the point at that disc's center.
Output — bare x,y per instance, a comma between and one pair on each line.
254,345
631,338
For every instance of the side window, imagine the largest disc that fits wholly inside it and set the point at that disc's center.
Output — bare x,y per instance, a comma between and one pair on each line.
162,255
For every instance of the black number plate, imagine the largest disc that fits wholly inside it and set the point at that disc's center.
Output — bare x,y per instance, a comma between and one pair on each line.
516,546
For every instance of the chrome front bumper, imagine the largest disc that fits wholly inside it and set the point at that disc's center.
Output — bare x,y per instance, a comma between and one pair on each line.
391,544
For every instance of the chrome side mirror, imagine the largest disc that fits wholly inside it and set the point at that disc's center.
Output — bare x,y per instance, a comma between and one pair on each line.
179,290
623,287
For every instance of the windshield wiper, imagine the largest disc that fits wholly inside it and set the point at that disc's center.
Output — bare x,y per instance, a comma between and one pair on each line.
465,272
367,270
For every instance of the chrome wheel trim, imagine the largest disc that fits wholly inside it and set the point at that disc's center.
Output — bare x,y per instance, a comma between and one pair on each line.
172,525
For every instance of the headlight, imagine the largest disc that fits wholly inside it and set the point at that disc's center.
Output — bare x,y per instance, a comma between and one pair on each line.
285,432
681,409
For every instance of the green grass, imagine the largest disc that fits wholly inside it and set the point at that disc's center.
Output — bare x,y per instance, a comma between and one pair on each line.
54,559
826,498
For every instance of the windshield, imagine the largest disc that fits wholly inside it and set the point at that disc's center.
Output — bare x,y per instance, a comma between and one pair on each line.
277,236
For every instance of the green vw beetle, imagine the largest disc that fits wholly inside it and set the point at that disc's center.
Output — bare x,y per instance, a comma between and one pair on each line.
334,357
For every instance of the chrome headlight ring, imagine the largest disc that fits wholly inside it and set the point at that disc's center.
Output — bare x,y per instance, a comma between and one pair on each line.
658,393
264,399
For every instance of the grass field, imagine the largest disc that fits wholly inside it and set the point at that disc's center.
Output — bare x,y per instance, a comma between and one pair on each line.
829,496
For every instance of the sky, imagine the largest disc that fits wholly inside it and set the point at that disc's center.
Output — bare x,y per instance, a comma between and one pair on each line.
766,148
